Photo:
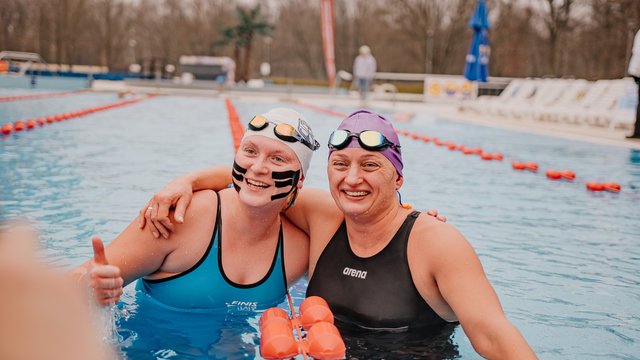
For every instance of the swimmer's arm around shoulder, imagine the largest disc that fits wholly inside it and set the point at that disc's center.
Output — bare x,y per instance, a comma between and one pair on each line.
463,284
177,194
313,207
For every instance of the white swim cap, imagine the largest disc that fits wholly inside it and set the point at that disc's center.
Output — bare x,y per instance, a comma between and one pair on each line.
305,144
365,50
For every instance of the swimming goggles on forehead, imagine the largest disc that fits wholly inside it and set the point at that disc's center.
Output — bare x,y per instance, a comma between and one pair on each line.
283,131
371,140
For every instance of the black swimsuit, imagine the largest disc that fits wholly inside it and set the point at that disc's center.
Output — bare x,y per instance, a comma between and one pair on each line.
375,292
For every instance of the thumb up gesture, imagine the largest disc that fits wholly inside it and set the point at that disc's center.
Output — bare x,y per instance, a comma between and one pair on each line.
105,279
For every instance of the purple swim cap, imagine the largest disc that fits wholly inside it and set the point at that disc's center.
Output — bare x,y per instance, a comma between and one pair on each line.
363,120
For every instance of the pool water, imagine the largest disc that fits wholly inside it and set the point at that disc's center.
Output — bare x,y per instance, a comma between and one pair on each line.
564,261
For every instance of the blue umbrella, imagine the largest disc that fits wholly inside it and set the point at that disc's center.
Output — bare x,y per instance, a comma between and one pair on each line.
477,61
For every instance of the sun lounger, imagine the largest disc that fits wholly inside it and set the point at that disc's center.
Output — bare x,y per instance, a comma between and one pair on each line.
567,96
483,102
572,112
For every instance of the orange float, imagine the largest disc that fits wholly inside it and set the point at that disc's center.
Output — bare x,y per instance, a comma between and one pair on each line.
594,186
498,156
612,187
553,174
19,125
517,165
568,175
323,340
485,156
531,166
6,129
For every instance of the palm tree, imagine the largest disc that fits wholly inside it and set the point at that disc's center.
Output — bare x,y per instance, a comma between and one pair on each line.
250,25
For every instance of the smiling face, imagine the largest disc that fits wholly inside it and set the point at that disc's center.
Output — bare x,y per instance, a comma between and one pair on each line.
362,182
269,171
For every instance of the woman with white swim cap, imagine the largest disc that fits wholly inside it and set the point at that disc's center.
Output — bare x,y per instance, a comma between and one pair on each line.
235,248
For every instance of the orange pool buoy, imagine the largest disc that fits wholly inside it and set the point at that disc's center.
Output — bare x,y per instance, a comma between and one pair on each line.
531,166
314,309
568,175
594,186
277,342
40,121
7,129
324,342
485,156
467,151
19,125
415,136
31,124
553,174
452,146
425,138
612,187
498,156
274,315
517,165
50,119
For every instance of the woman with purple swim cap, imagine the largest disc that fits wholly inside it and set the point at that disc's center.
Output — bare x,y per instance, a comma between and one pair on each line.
384,266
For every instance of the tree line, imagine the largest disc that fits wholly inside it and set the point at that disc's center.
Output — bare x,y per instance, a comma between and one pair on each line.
588,39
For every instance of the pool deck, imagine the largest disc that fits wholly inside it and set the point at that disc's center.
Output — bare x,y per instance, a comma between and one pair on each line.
402,103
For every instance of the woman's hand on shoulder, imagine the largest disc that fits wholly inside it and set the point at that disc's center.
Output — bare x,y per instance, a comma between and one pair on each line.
155,213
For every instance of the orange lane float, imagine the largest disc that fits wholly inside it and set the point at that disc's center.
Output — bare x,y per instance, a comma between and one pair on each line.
237,130
531,166
594,186
568,175
553,174
7,129
323,340
21,125
605,186
612,187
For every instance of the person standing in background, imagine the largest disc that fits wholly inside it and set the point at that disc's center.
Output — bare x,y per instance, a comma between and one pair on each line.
364,68
634,71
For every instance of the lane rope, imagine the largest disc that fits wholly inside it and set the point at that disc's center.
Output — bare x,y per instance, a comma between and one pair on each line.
40,96
552,174
33,123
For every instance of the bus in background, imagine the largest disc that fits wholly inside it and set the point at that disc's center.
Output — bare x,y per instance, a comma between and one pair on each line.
217,68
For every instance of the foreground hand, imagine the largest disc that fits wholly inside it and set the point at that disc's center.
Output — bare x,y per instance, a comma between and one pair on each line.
177,193
105,279
434,213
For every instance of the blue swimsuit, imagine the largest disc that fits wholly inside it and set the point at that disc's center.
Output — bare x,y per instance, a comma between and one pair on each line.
205,285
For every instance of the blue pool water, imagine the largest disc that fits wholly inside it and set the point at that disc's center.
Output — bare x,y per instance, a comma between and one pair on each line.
564,262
